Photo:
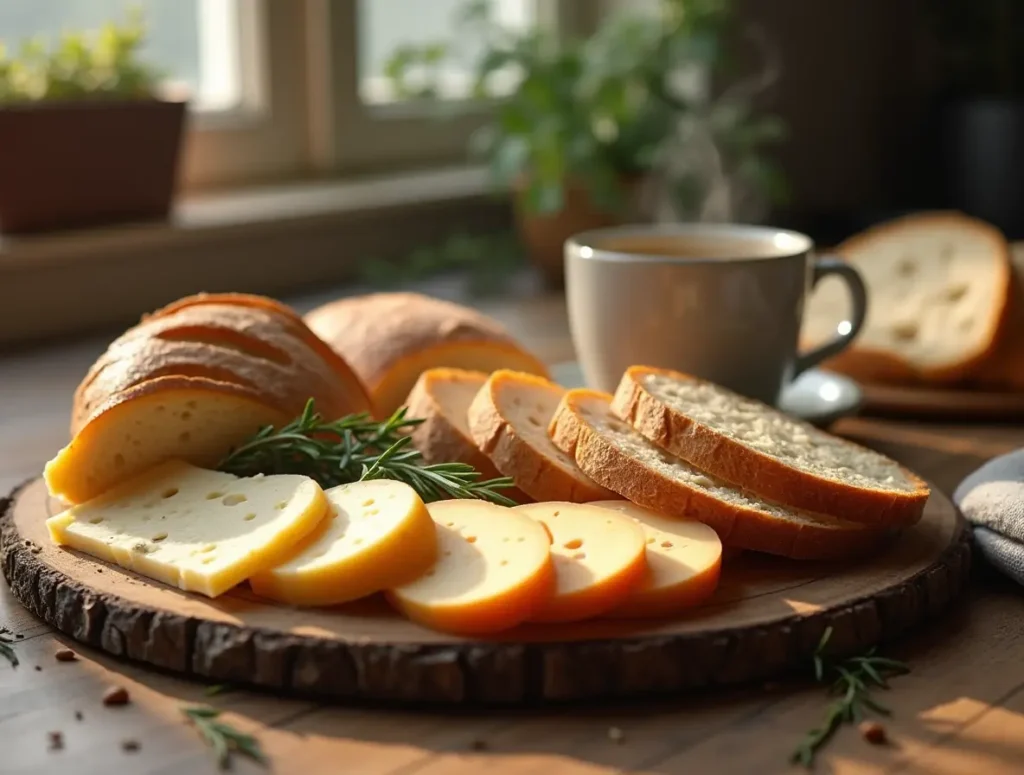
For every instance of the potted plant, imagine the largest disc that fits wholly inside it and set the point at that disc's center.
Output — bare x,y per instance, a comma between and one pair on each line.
981,47
621,125
84,138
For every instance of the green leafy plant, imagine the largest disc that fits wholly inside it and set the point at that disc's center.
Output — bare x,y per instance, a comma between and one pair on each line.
603,112
222,738
101,65
852,681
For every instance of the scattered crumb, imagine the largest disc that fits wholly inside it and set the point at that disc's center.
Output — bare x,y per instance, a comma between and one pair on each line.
116,695
65,655
873,732
130,746
19,636
478,745
39,668
616,735
78,715
56,741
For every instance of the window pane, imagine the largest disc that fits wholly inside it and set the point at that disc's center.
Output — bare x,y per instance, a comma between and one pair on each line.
196,42
384,25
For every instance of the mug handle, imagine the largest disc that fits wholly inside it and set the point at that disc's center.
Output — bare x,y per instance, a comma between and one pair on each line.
858,293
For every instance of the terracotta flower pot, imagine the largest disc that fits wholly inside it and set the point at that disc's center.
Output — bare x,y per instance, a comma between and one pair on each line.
87,163
544,235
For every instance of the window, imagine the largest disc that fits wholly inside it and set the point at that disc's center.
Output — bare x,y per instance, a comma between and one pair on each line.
282,89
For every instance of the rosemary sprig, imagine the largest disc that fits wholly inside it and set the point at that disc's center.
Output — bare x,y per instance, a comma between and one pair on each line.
852,680
223,738
355,448
7,650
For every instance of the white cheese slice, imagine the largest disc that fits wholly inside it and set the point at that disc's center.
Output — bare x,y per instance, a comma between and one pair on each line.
198,530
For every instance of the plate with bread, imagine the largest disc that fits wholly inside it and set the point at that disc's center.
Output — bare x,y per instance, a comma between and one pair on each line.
944,334
391,499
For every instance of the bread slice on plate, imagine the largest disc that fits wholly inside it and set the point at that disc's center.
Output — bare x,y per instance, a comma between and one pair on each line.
392,338
938,284
441,398
766,452
622,460
509,419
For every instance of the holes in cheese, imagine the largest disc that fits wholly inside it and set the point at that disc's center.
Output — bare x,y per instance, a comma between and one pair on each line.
377,535
599,557
493,570
162,525
684,558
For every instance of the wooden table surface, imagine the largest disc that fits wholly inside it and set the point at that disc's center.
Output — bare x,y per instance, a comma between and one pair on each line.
961,709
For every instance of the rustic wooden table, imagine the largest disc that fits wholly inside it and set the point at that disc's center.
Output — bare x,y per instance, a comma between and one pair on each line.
961,709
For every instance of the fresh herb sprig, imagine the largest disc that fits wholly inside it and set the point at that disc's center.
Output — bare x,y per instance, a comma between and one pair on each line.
357,448
7,650
852,680
223,738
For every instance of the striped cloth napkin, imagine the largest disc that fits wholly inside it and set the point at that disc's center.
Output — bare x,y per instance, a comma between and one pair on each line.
992,500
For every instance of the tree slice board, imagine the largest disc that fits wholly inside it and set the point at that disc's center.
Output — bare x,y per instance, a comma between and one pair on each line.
767,617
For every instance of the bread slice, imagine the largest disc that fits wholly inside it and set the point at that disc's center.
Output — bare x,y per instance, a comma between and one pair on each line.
441,398
168,418
1003,369
619,458
765,451
392,338
508,420
938,284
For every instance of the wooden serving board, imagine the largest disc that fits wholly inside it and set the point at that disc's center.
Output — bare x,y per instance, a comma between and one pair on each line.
767,617
939,403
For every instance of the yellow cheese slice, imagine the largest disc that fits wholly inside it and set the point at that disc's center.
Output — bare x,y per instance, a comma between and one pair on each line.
684,558
599,559
492,571
201,531
378,535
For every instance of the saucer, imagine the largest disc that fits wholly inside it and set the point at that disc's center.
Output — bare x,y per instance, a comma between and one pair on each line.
818,396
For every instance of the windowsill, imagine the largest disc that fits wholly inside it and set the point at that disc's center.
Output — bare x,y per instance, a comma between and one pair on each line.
272,240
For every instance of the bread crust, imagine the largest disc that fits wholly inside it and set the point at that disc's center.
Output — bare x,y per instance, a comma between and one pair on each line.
378,333
438,439
535,471
767,476
873,365
737,526
295,324
251,345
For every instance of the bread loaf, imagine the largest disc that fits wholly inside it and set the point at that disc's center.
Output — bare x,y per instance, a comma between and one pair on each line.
938,284
392,338
508,420
1003,369
191,381
766,452
233,339
617,456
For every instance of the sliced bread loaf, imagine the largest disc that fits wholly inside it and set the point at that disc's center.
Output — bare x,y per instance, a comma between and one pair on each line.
939,286
765,451
441,398
508,420
618,457
392,338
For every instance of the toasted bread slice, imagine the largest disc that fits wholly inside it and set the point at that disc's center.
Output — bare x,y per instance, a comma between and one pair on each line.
441,398
766,452
618,457
508,420
939,286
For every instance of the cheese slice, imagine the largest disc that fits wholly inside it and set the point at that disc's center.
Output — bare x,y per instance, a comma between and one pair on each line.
201,531
599,558
493,570
378,535
684,558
